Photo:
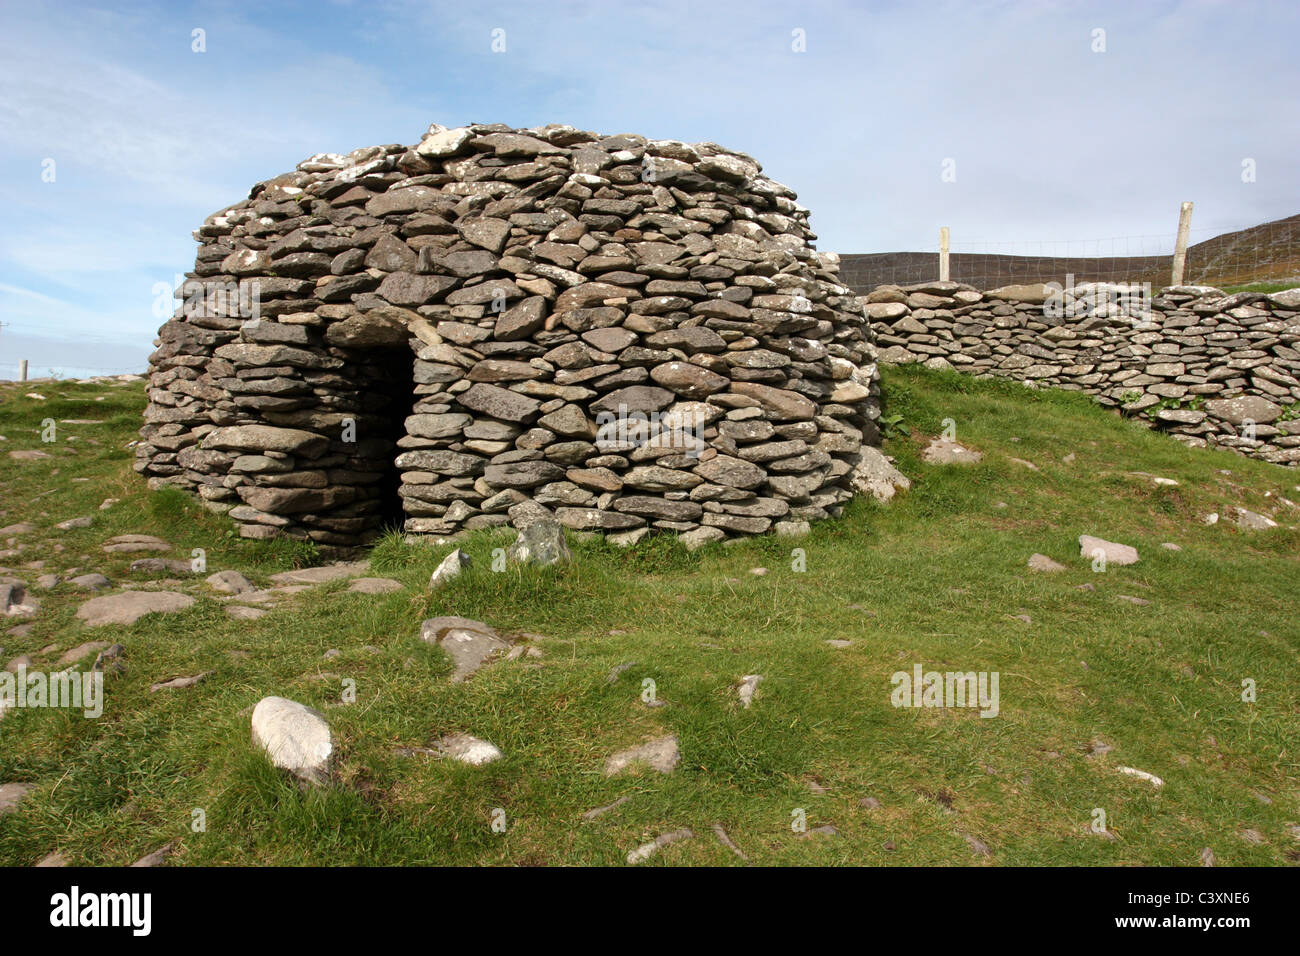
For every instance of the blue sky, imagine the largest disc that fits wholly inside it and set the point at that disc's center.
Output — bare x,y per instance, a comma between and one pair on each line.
1051,141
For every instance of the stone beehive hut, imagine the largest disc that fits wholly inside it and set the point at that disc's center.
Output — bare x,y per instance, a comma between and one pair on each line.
635,334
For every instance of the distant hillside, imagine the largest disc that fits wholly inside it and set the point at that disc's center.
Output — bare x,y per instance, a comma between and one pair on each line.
1263,253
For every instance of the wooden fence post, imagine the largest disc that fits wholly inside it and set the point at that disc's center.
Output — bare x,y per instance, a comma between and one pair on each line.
943,254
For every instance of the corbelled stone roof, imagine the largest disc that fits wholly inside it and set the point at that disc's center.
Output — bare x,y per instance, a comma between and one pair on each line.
633,334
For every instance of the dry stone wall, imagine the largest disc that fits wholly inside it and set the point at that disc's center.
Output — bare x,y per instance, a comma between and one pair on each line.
1209,368
633,334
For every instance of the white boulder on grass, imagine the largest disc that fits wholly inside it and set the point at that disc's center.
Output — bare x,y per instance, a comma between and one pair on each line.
450,568
471,750
1112,552
295,737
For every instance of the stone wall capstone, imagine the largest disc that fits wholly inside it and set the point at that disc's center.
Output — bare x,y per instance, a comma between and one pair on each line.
633,334
1209,368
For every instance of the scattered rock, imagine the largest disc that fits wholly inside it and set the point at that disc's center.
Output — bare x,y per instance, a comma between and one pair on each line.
130,543
375,586
179,683
647,850
321,575
230,582
110,655
600,811
748,685
12,794
467,749
726,841
91,582
943,451
1041,562
241,613
295,737
15,600
1141,602
158,857
1253,521
1142,775
449,569
661,754
541,542
81,651
73,523
127,607
53,859
823,830
874,474
469,643
161,566
1114,553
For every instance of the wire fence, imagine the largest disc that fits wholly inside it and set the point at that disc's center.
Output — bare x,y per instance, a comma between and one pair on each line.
1267,253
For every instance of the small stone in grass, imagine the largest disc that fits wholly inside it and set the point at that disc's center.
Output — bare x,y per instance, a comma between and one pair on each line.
661,754
647,850
241,613
178,683
230,582
748,685
1041,562
466,749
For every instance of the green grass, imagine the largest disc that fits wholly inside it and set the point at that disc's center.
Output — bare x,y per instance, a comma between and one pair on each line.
937,577
1259,287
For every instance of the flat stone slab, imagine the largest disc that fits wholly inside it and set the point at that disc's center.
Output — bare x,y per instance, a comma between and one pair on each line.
128,543
91,582
81,651
1114,553
942,451
161,566
469,643
321,575
12,794
375,586
241,613
661,754
129,606
1253,521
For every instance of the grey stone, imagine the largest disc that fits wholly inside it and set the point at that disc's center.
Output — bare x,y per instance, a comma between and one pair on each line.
295,737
